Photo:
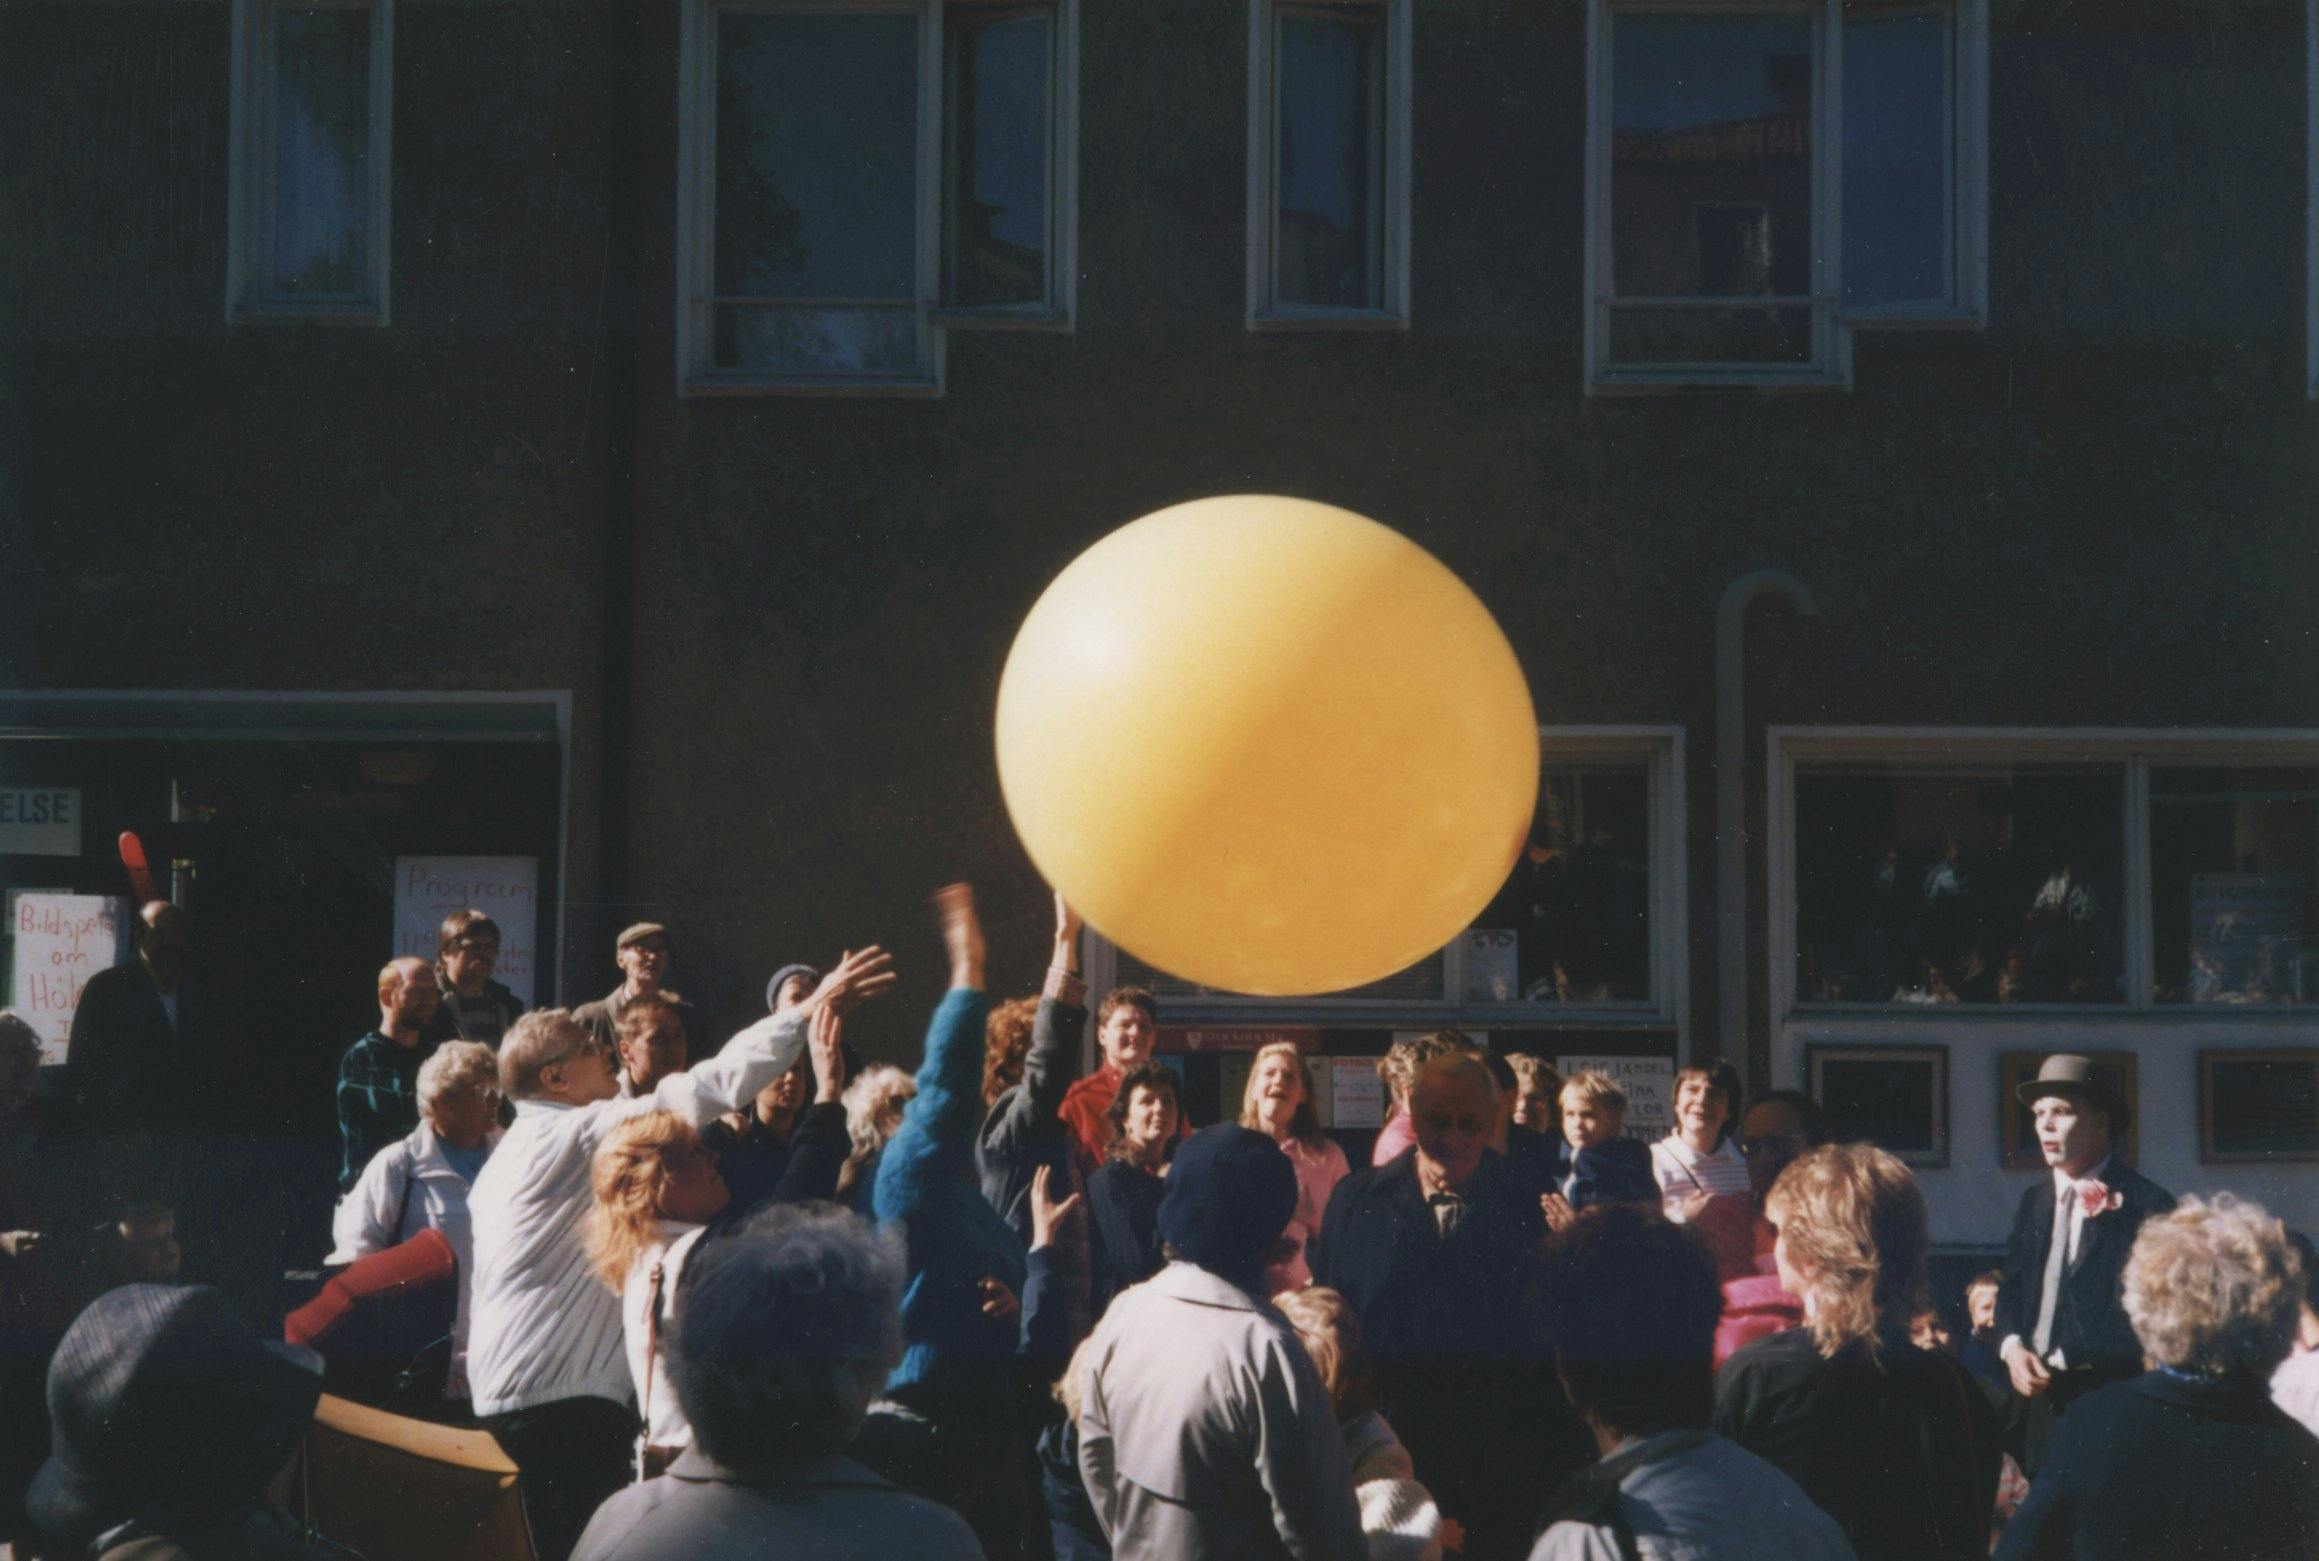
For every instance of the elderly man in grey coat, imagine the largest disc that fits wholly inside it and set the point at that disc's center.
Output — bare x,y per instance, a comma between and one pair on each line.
1204,1429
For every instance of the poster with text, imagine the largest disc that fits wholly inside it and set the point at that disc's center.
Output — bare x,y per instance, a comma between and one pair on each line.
504,888
1649,1083
56,942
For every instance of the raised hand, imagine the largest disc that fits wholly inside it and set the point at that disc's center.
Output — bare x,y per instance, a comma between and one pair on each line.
1067,926
825,1031
1559,1214
860,976
961,934
1047,1212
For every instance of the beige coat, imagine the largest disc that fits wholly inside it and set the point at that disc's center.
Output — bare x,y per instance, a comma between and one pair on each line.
1204,1431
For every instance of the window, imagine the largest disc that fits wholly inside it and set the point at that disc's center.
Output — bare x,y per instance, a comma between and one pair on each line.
1934,885
2311,198
1328,165
1009,164
308,168
1928,873
1765,178
1586,930
2234,881
857,175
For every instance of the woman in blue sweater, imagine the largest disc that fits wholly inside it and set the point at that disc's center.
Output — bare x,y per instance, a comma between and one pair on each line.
950,1407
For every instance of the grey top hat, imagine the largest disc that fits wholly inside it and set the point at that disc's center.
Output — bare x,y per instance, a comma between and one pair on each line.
2066,1073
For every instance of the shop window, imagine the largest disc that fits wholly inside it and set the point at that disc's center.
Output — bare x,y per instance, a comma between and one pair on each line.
1766,178
1328,167
2234,883
1008,163
1586,927
1926,887
308,175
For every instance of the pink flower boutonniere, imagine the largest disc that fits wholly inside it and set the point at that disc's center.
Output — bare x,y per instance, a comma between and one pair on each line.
2096,1199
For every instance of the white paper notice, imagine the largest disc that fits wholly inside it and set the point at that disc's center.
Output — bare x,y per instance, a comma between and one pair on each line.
504,888
1649,1083
1356,1094
58,941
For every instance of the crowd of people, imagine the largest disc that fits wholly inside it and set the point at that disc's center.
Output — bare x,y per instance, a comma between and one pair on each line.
763,1298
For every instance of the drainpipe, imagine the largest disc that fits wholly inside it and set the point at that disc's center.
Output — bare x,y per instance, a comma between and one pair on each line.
1731,785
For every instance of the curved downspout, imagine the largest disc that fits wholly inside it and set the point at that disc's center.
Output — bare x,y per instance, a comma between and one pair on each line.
1731,788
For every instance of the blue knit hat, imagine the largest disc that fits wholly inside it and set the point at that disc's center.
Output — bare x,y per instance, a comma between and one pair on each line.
781,978
1230,1193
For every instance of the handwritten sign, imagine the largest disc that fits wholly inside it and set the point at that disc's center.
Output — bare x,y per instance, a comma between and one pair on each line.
1649,1083
504,888
40,821
58,941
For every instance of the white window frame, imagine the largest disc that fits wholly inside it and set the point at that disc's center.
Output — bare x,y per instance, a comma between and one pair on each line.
696,303
1266,312
2135,753
1659,749
2311,199
1833,322
1971,1198
1060,308
250,169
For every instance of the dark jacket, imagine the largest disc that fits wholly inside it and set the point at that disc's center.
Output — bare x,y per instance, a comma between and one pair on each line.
498,1002
1021,1132
129,1071
2089,1325
1615,1172
2163,1466
1899,1447
760,1168
378,1099
1123,1235
1451,1325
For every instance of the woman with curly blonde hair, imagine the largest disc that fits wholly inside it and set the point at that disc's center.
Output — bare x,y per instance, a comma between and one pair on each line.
656,1190
2192,1458
1277,1102
1896,1443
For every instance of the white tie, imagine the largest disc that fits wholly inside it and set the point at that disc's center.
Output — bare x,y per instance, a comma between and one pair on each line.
2056,1260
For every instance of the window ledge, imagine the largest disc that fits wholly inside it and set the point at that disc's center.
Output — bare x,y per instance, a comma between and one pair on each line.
1636,382
307,314
1000,320
916,389
1377,320
1911,318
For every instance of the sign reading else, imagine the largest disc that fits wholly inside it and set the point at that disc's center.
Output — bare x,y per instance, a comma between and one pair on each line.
40,821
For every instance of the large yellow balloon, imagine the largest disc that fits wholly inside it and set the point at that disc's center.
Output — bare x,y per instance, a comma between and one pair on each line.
1267,745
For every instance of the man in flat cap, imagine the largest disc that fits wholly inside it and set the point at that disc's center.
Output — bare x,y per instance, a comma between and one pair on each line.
2059,1309
642,951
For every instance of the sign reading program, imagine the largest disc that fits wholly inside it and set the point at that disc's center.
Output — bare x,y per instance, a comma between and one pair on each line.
504,888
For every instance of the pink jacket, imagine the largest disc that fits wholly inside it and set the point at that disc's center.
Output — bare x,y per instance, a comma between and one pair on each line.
1754,1307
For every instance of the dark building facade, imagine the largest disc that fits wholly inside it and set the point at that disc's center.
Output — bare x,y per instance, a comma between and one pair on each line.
624,437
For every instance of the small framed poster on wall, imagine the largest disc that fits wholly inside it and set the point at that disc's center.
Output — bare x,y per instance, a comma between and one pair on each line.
1895,1097
2258,1106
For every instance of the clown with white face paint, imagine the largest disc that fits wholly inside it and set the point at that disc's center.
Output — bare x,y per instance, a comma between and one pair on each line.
2059,1312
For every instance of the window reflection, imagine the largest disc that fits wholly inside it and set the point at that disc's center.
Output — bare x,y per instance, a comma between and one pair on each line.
2234,857
1577,906
321,204
1989,887
1327,184
996,201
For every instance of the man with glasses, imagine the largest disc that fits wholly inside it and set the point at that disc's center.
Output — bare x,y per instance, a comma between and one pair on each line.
545,1351
642,951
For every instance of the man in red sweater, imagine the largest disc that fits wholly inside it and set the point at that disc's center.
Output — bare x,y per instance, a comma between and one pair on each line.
1125,1026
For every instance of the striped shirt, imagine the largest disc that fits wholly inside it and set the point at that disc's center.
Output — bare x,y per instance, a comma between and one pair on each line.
1684,1173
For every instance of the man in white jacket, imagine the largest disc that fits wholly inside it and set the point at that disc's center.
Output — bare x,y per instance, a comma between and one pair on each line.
544,1347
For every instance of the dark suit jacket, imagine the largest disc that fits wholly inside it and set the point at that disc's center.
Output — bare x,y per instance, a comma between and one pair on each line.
2089,1325
1452,1326
2158,1466
1616,1172
129,1071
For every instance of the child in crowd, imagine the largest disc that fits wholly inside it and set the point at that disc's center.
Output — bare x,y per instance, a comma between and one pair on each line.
1398,1517
1596,1164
